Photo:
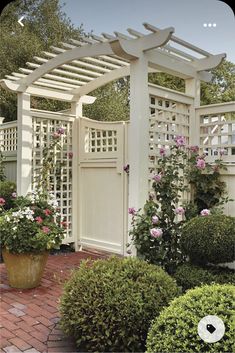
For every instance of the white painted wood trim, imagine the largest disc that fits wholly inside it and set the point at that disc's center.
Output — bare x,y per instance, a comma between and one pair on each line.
24,145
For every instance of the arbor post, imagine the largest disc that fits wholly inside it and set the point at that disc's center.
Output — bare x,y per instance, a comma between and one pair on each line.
24,145
138,133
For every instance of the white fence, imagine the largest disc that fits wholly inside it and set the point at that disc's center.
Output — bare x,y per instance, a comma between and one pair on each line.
8,144
93,188
217,136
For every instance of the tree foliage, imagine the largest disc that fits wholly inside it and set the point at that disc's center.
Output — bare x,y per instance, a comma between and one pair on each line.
220,89
45,24
112,102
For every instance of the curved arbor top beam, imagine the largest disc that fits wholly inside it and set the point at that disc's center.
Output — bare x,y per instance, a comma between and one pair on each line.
91,63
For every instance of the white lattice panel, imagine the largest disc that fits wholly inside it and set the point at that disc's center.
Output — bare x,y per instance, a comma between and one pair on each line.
168,119
43,130
8,137
217,135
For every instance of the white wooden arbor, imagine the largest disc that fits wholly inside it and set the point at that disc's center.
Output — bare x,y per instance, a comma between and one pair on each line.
73,70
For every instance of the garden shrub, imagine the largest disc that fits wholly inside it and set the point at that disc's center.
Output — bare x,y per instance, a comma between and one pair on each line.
189,276
7,192
108,305
209,239
175,330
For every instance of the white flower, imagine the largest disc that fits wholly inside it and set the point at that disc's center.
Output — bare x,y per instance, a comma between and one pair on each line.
7,218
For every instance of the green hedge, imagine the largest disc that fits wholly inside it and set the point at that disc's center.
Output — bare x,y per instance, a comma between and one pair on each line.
175,330
209,239
190,276
107,306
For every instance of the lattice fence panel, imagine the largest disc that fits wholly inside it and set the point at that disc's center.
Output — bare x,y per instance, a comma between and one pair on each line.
168,119
217,135
8,137
43,130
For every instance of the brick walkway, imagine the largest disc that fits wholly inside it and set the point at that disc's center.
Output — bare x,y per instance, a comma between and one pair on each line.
29,318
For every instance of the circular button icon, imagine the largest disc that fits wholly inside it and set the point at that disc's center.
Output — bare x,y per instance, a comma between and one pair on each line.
211,328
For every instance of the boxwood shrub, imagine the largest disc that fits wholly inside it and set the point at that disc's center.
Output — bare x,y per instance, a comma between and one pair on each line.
175,330
209,239
189,276
107,305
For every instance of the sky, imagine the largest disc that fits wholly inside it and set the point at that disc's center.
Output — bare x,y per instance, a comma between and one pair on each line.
209,24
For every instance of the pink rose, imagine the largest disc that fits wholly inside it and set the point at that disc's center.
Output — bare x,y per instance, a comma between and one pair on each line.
56,135
45,229
155,219
222,151
2,201
157,177
70,155
14,195
39,220
194,149
162,151
180,141
180,211
201,164
205,212
132,211
64,224
156,232
60,131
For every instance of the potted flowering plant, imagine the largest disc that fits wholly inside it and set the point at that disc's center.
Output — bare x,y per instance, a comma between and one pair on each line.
28,231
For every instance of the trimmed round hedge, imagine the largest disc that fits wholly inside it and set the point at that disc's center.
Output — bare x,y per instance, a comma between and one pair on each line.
209,239
189,276
175,330
107,305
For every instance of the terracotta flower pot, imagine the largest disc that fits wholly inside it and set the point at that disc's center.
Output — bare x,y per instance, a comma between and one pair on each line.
24,270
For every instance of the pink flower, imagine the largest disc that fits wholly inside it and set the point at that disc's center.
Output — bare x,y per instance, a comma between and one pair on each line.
56,135
155,219
45,229
180,141
157,177
180,211
2,201
39,220
162,151
70,155
194,149
14,195
132,210
156,232
222,151
201,164
60,131
205,212
47,212
64,224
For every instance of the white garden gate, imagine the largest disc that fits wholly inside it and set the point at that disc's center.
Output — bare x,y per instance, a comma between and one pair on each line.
102,183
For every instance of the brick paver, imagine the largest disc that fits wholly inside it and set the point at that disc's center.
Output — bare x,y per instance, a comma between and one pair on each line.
30,318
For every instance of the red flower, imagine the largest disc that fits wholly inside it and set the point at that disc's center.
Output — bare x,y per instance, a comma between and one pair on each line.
47,212
39,220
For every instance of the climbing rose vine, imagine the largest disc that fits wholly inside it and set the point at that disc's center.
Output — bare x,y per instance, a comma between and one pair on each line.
156,229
